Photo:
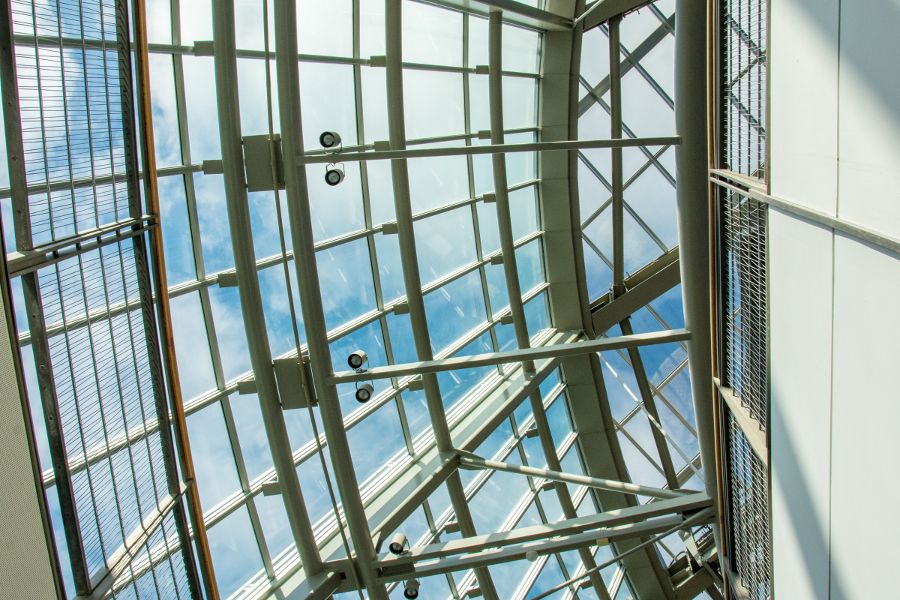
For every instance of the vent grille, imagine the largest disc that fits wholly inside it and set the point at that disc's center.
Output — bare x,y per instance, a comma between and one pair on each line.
744,86
748,506
743,225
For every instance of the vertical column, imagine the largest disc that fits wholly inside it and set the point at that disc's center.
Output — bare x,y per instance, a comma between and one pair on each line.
692,193
169,362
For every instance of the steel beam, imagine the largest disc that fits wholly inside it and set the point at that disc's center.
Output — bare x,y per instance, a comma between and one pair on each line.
248,284
698,518
545,538
571,349
569,301
692,193
311,297
410,266
641,288
475,462
511,273
601,11
615,121
514,12
406,153
471,421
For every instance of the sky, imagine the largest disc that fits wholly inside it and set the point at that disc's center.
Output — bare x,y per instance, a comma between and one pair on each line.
361,272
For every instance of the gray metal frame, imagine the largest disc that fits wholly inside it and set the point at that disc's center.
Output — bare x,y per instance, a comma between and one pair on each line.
368,512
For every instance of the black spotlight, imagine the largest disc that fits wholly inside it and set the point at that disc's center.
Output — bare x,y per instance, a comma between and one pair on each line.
330,139
334,176
357,359
411,589
364,392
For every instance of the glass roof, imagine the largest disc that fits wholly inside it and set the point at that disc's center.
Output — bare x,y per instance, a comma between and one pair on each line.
361,276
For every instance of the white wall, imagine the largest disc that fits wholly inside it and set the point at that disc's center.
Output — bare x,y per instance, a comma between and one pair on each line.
834,301
25,567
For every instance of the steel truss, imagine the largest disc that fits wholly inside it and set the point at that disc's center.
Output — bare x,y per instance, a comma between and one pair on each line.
319,562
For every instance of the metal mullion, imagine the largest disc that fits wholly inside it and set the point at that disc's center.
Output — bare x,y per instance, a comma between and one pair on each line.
639,448
234,442
65,103
597,250
615,94
134,360
77,411
251,301
370,240
659,436
88,111
40,110
470,171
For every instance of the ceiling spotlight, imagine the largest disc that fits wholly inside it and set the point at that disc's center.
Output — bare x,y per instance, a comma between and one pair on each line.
364,392
330,139
334,175
411,589
357,359
397,545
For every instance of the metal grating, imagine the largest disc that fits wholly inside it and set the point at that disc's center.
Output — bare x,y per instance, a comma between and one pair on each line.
748,508
70,98
91,326
744,41
157,569
742,231
104,381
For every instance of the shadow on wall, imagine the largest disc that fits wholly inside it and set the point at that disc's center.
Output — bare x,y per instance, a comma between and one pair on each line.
803,519
867,30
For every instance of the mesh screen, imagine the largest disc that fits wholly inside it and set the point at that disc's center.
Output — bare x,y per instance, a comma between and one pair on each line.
91,319
742,230
748,506
744,43
157,569
70,97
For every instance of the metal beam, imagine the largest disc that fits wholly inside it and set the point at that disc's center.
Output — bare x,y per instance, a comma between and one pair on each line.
628,63
569,302
750,188
515,13
575,348
476,462
511,274
751,428
545,538
406,153
605,10
615,124
311,297
410,266
692,193
471,421
248,284
641,288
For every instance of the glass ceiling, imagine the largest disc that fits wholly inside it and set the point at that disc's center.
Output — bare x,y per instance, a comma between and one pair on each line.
361,276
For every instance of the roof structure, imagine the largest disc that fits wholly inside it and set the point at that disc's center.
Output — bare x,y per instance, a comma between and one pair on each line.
526,374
